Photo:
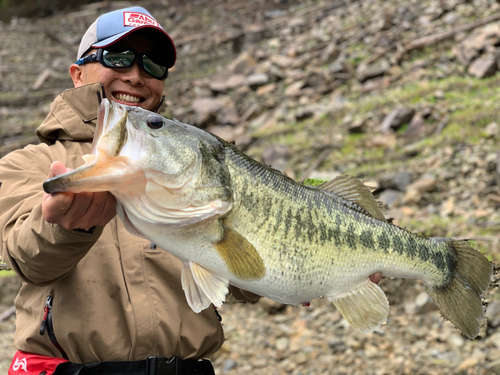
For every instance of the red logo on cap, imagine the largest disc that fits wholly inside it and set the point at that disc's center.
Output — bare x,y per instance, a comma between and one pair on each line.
135,19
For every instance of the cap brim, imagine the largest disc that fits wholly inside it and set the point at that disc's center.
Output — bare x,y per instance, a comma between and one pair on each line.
115,38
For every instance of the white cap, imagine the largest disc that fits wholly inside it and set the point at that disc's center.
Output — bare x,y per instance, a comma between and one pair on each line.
113,26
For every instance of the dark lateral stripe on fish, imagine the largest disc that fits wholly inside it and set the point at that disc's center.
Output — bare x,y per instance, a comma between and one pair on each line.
340,233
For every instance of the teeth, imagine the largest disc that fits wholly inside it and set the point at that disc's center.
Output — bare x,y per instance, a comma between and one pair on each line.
127,98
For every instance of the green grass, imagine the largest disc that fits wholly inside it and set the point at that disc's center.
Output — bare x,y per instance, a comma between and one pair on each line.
5,273
313,182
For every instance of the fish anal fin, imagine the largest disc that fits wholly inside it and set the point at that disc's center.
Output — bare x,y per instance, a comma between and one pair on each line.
353,190
240,256
366,307
202,287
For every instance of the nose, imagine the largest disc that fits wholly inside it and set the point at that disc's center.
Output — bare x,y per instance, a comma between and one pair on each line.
134,75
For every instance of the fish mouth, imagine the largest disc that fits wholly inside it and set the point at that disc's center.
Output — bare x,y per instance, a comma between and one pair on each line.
101,174
104,169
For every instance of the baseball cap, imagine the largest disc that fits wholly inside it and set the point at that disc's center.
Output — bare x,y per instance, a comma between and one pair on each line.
114,26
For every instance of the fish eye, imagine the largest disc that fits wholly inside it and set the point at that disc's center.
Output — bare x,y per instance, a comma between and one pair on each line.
154,121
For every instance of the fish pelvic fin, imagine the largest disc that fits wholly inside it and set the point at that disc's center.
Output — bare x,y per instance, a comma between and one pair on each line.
202,287
240,256
353,190
461,300
365,308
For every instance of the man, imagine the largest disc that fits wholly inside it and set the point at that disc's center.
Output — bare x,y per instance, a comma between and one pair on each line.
96,299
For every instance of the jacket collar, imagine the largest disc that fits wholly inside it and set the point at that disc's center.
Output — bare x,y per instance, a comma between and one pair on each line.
72,115
85,100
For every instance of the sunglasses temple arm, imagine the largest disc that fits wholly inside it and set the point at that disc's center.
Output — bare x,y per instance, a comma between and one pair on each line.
161,103
99,98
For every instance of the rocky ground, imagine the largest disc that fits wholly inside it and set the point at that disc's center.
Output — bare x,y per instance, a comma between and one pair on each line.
403,94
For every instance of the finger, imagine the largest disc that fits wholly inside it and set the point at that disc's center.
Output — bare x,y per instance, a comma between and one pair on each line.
376,277
102,208
79,208
55,207
109,210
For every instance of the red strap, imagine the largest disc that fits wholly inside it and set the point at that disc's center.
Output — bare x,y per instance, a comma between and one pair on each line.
33,364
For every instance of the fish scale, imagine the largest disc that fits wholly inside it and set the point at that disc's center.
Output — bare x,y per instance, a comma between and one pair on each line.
323,238
232,220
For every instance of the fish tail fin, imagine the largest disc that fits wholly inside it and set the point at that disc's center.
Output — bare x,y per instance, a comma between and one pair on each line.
460,300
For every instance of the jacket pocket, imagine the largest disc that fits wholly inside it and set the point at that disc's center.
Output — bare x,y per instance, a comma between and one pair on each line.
48,327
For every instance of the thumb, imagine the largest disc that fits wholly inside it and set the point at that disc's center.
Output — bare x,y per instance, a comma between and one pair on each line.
57,168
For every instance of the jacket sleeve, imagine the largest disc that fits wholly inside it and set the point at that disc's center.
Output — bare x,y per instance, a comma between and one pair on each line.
38,251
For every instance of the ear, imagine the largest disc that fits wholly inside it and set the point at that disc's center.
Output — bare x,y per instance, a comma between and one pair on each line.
76,73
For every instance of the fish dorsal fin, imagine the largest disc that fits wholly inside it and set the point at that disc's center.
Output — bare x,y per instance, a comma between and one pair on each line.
353,190
240,256
365,308
202,287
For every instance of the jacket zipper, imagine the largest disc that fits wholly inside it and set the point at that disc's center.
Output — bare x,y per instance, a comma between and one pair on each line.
48,326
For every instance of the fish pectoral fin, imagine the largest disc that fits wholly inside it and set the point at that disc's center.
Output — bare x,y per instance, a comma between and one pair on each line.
202,287
240,256
352,189
365,308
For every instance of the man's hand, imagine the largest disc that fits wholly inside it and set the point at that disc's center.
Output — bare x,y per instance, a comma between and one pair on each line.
77,211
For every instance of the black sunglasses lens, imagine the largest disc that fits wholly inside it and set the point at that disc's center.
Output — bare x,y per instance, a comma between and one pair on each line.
122,59
153,68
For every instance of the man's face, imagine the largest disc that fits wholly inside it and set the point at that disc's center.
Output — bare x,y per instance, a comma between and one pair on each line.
130,86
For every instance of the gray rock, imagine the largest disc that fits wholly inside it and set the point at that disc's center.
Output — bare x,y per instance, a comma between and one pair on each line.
493,314
357,126
276,156
415,190
294,89
228,115
330,54
229,365
398,181
483,67
465,55
284,62
274,13
315,79
244,64
275,73
424,303
230,83
481,39
254,34
416,128
389,196
426,183
205,109
492,130
365,72
397,118
257,79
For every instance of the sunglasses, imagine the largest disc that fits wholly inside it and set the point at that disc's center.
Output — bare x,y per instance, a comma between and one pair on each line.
118,57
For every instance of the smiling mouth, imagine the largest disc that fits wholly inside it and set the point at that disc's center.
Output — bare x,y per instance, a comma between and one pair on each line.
127,98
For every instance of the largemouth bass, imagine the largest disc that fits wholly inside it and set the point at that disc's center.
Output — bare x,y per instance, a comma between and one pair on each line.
232,220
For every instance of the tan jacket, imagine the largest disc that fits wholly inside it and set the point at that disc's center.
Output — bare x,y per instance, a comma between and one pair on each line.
114,298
